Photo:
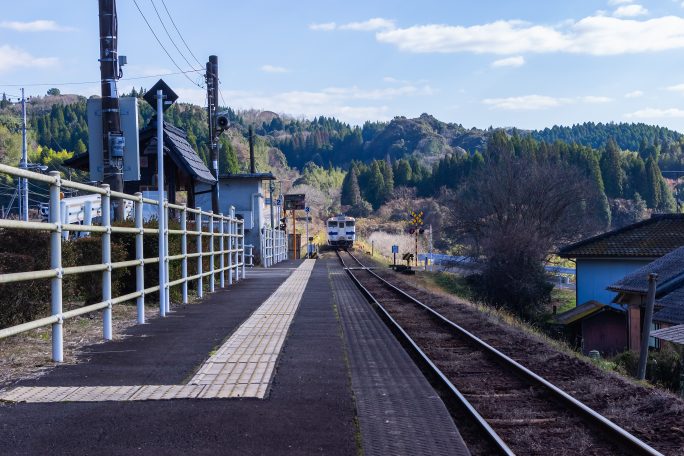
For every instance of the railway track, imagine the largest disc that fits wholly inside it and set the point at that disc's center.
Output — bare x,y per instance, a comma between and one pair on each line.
498,404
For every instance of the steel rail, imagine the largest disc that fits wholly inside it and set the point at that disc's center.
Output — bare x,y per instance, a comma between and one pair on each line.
620,435
434,371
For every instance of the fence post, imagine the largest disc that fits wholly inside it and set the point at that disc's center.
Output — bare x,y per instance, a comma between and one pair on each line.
231,223
64,211
167,275
211,252
221,257
56,264
139,255
242,250
107,261
87,216
184,252
198,220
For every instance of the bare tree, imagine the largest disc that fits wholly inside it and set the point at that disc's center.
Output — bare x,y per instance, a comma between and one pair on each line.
513,213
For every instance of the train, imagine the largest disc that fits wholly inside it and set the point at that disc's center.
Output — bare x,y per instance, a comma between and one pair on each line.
341,231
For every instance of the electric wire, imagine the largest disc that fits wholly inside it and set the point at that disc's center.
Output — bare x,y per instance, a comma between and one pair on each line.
168,34
162,45
180,35
45,84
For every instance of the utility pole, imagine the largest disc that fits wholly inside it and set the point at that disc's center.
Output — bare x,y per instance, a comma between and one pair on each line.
212,106
23,182
112,136
252,165
646,331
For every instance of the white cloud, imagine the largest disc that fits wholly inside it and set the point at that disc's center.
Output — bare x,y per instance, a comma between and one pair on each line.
630,11
676,88
515,61
656,113
324,27
392,80
593,35
594,99
377,23
273,69
524,103
11,58
539,102
634,94
371,25
40,25
350,104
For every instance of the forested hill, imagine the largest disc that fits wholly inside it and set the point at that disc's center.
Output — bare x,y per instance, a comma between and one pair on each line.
629,136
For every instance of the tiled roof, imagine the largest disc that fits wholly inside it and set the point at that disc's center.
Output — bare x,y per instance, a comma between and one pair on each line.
673,307
650,238
673,334
176,141
670,270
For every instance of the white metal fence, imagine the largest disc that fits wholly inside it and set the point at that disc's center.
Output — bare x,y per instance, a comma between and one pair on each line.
227,230
273,247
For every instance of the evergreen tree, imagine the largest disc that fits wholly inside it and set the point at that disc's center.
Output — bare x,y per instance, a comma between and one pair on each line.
375,191
611,170
388,179
351,193
403,173
653,195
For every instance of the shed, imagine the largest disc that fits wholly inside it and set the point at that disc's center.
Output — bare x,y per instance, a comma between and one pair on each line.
595,326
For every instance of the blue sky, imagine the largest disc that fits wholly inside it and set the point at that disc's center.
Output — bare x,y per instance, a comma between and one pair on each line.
528,63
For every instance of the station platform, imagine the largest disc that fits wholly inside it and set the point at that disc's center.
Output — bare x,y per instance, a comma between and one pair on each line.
291,360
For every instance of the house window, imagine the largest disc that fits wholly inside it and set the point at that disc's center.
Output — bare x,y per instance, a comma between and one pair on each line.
654,342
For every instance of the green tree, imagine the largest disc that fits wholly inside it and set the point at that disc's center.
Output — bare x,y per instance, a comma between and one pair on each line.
653,195
80,147
375,191
351,193
611,170
388,179
54,92
403,173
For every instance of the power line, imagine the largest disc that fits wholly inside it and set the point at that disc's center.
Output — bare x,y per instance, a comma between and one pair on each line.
168,34
45,84
179,34
162,46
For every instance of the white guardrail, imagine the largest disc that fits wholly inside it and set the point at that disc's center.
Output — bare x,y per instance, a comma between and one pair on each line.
273,247
227,230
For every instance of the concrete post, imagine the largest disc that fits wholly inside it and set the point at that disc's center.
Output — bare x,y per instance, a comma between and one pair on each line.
184,252
198,219
106,260
222,276
139,255
56,264
212,258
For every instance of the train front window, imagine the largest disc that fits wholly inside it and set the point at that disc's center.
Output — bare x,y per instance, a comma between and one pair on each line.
332,224
341,225
350,223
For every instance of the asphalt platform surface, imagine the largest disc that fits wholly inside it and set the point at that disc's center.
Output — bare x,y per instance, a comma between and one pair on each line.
309,409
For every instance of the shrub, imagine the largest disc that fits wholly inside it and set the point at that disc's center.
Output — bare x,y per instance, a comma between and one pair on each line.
662,368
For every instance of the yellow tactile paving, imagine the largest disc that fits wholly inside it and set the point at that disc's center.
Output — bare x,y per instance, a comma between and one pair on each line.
242,367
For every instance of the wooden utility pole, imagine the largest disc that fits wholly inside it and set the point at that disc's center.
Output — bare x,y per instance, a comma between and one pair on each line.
212,106
112,136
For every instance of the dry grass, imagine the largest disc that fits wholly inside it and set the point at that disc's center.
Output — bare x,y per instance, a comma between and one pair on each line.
29,355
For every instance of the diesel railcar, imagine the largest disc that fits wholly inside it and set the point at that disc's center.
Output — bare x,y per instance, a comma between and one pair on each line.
341,231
